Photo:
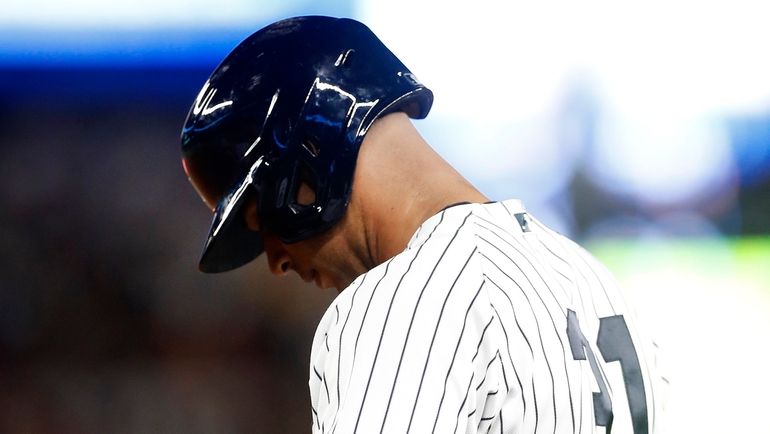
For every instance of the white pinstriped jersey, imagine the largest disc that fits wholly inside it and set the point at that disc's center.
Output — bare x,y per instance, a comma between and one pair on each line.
487,322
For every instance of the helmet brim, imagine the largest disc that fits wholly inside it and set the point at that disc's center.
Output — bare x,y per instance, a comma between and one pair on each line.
231,243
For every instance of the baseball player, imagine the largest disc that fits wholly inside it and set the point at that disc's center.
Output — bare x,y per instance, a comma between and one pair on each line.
456,314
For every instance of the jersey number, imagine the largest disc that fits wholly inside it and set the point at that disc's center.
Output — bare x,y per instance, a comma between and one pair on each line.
614,343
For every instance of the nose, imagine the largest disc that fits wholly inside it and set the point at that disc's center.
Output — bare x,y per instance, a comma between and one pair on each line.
278,262
277,258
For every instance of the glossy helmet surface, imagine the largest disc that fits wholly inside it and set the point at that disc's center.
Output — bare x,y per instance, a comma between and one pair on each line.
290,104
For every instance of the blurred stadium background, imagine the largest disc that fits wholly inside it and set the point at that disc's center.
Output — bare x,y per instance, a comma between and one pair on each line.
641,129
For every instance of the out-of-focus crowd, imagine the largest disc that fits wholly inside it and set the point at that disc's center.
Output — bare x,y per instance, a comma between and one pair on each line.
105,323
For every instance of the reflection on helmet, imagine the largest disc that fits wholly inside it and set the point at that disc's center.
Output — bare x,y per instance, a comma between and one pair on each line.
290,104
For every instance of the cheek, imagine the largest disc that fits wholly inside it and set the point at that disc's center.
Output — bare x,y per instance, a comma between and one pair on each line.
327,256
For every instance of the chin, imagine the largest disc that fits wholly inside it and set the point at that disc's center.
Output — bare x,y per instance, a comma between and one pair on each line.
323,283
341,284
333,280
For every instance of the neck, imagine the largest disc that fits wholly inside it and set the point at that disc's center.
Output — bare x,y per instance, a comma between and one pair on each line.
402,182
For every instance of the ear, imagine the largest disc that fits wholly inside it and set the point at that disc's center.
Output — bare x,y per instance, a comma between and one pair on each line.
306,190
305,194
250,214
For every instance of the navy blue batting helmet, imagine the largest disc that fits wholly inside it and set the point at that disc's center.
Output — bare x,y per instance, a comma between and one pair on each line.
290,104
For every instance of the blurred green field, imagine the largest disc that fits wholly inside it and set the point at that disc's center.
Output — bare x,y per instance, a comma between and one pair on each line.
707,302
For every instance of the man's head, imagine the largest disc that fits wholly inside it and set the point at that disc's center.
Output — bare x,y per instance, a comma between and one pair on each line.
279,125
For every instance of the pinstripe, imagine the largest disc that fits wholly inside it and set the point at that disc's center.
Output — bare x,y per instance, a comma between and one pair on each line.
339,348
433,339
485,419
342,332
515,318
537,414
502,369
522,255
580,413
579,252
556,329
574,268
588,285
545,354
486,371
315,416
571,266
507,342
438,321
555,255
483,332
366,311
564,354
526,276
326,386
581,255
513,365
361,327
579,269
454,356
587,259
322,379
462,405
387,315
467,389
524,268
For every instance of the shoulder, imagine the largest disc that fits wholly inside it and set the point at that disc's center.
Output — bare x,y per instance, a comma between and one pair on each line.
441,265
479,230
464,224
440,259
